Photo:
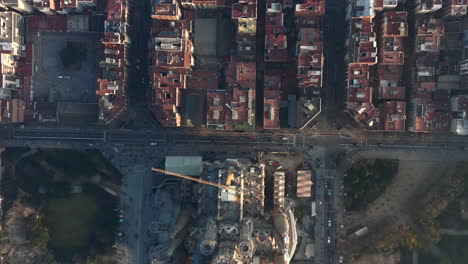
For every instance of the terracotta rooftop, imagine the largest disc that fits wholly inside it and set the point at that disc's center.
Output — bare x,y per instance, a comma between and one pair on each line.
176,59
245,71
359,89
201,79
310,60
166,9
395,24
310,39
163,77
392,51
310,8
276,41
244,10
393,115
385,4
429,43
274,19
272,82
36,23
115,11
365,114
363,46
431,26
431,115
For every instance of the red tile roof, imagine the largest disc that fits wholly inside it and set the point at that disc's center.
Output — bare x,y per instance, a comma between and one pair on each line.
244,10
276,41
200,79
36,23
272,82
395,24
359,89
163,77
166,9
274,19
430,26
392,51
428,43
363,41
310,8
115,11
393,115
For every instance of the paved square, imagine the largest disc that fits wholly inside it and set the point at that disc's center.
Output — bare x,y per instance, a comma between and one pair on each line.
51,81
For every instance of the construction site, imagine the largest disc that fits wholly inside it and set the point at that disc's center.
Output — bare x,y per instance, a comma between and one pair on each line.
229,211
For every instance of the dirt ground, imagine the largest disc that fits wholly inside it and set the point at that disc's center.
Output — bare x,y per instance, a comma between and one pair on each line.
413,179
400,204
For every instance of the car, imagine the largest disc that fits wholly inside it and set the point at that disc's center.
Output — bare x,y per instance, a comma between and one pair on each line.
329,240
285,138
59,76
253,137
67,77
329,222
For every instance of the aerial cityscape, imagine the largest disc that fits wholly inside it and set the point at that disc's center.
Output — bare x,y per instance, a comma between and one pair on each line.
234,131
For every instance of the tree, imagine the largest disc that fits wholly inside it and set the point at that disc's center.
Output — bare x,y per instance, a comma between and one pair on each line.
40,235
73,54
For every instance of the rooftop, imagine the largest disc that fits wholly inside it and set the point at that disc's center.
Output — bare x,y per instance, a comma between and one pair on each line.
426,6
392,51
430,115
274,19
166,9
247,25
244,10
115,11
310,8
395,24
393,115
365,114
363,41
272,82
429,43
359,89
309,41
201,79
430,26
385,4
458,7
271,109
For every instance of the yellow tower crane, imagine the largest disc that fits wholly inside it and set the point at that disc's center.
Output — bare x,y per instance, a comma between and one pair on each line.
226,187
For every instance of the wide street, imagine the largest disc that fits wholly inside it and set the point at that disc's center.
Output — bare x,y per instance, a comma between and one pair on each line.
93,138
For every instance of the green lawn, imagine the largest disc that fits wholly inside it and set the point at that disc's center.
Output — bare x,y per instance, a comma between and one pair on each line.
71,221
